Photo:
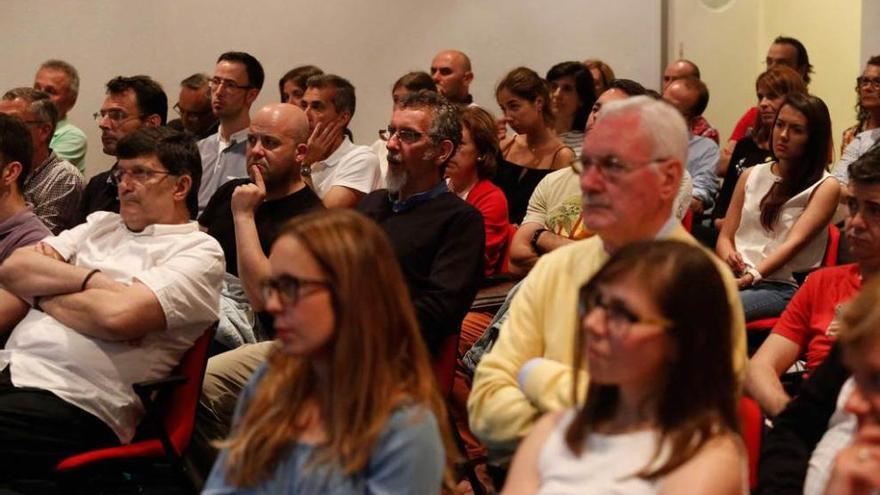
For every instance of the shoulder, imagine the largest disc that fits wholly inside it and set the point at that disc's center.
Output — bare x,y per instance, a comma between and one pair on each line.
718,467
374,201
578,257
359,152
410,426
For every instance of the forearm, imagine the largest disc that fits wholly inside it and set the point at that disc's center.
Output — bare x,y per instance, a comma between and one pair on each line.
764,386
550,241
253,265
27,273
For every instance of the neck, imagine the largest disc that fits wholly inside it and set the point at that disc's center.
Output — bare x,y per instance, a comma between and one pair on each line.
873,119
644,230
635,408
782,167
415,186
869,268
563,123
290,187
39,157
11,203
230,126
538,136
463,185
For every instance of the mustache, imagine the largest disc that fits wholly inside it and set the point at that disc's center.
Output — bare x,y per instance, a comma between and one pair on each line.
592,199
395,157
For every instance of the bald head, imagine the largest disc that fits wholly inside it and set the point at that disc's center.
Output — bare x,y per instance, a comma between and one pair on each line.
679,70
277,147
451,71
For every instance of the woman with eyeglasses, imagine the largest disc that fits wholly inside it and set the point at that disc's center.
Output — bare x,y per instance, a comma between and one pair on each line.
660,408
347,402
777,222
868,104
535,150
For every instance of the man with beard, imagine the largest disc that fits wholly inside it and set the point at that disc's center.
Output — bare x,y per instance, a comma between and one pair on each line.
437,236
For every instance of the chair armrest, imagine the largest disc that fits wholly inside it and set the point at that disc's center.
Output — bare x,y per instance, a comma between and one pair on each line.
145,389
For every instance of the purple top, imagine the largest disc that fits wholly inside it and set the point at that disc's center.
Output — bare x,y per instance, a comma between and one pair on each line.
22,229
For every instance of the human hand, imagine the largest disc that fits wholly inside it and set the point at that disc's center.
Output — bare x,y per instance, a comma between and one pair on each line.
696,206
746,280
735,261
501,128
856,469
322,139
247,197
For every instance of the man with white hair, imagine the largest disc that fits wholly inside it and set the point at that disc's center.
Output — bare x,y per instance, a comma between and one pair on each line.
630,170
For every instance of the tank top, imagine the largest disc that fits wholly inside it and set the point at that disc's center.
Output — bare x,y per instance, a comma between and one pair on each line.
518,182
755,243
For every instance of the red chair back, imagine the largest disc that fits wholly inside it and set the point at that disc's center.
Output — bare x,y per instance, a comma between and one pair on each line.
504,263
751,424
688,221
832,249
444,364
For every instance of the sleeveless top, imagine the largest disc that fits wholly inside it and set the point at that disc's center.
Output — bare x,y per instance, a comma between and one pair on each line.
608,464
518,182
755,243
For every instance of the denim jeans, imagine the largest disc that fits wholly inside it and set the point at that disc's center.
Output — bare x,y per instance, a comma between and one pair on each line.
766,299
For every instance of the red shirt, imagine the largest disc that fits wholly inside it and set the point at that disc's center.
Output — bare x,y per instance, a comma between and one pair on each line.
489,199
749,119
817,306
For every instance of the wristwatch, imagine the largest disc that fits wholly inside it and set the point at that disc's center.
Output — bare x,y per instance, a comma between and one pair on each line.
534,241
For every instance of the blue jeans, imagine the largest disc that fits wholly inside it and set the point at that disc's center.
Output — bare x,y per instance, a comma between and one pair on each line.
765,299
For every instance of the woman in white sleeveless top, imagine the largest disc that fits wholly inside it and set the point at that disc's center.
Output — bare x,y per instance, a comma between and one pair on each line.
778,217
660,409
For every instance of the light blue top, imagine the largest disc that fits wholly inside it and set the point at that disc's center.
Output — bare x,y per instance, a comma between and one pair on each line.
854,150
703,156
407,458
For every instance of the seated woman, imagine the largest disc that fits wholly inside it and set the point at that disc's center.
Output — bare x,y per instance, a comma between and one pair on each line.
771,87
602,74
468,173
778,217
535,150
346,402
660,410
572,95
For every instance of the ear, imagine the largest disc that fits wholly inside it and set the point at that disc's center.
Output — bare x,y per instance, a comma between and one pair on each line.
251,96
46,132
669,173
446,149
346,118
302,149
10,173
182,188
468,77
153,120
539,103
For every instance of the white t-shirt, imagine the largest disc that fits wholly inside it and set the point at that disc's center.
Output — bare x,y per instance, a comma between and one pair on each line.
351,165
184,268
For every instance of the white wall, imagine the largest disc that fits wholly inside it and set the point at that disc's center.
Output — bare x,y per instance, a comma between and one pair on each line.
370,43
870,31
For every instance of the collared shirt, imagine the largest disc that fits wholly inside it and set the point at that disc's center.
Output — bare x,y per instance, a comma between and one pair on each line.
400,206
70,142
22,229
703,156
701,127
55,189
221,161
855,149
350,165
181,265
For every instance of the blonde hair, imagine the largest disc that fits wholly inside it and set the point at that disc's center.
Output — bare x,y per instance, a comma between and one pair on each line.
375,328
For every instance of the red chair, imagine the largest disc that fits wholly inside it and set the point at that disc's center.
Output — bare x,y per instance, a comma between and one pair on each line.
688,221
444,364
504,262
751,424
170,417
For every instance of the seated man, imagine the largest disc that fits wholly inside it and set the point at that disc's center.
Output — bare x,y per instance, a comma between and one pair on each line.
114,301
631,168
809,324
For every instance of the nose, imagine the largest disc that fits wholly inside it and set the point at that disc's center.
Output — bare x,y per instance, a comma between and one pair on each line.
436,77
393,143
593,323
104,122
591,179
857,403
556,92
273,303
784,133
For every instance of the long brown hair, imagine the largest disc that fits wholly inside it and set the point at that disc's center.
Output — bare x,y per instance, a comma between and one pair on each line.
696,390
527,84
808,168
377,360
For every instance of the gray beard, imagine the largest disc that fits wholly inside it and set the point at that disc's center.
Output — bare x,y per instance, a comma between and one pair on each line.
395,181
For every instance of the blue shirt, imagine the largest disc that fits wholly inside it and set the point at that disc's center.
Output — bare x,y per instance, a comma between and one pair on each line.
703,156
408,457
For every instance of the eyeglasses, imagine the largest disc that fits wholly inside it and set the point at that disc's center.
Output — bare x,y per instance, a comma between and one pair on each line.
289,288
873,82
187,114
139,174
619,318
407,136
216,83
115,117
610,167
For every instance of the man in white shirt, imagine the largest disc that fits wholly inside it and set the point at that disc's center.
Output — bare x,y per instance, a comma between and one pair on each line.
339,171
112,302
235,85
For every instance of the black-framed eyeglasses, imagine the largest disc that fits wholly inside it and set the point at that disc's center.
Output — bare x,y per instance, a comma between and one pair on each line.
289,288
184,113
138,174
610,167
216,83
405,135
874,82
115,116
619,318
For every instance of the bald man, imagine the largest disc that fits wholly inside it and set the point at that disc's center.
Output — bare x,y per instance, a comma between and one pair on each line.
244,214
451,71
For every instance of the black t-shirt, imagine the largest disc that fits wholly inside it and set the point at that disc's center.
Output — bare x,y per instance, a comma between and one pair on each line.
745,155
100,194
269,217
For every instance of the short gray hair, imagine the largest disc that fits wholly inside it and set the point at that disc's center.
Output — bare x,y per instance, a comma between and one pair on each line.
660,122
69,70
195,81
446,117
38,103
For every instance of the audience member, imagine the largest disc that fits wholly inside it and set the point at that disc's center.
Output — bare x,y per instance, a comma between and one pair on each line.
630,173
60,81
777,223
451,71
469,171
866,133
194,107
660,406
19,226
113,302
292,84
131,103
685,69
339,171
811,321
245,214
690,96
409,82
602,74
309,421
52,185
680,69
438,237
572,95
237,81
771,88
535,150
